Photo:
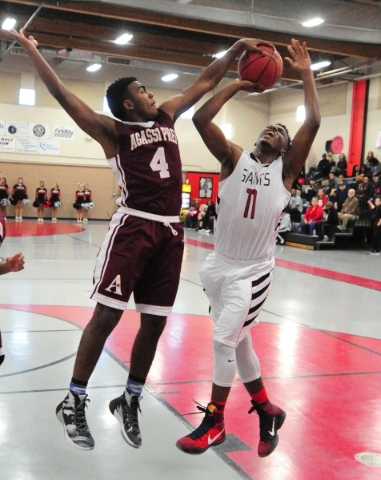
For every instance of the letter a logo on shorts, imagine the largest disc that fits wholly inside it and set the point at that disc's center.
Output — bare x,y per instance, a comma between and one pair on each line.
114,287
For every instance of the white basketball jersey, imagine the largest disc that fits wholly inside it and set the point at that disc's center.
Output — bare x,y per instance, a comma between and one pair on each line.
249,206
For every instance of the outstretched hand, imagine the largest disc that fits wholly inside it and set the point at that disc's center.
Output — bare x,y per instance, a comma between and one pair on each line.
248,86
22,39
300,59
15,263
251,44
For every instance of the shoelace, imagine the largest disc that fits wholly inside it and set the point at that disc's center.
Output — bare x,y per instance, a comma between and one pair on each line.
207,422
131,413
80,417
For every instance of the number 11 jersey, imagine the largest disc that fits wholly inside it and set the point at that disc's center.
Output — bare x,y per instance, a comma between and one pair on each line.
148,166
249,206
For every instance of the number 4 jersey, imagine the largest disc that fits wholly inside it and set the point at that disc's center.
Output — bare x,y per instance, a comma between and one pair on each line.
249,205
148,166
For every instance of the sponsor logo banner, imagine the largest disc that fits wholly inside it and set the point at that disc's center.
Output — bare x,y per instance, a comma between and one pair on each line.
49,147
27,145
63,132
7,144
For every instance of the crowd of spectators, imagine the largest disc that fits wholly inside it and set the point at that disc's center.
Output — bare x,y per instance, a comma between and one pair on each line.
330,198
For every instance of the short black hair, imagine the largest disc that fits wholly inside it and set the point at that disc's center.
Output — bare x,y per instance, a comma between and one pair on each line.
116,94
288,136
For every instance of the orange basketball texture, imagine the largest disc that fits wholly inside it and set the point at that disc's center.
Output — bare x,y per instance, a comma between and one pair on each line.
264,69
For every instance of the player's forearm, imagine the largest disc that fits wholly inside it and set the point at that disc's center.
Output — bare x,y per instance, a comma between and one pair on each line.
209,110
214,73
311,101
46,73
4,268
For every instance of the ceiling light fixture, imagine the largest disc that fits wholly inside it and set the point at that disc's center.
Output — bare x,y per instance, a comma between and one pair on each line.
94,67
220,54
123,39
8,23
313,22
169,77
320,65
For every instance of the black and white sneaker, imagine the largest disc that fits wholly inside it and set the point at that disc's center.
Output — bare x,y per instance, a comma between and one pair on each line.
125,409
71,413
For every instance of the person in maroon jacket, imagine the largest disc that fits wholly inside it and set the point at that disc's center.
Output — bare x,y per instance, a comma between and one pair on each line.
143,248
11,264
313,215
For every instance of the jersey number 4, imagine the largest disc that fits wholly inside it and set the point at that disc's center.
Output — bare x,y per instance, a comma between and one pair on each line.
159,163
250,202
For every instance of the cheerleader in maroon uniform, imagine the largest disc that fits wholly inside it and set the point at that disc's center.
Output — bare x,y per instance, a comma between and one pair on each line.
19,196
79,200
41,201
4,192
55,200
88,203
11,264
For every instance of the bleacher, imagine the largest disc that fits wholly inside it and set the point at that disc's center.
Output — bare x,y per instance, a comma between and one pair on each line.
356,236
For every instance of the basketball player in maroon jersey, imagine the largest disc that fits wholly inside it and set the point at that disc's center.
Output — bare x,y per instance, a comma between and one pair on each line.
254,189
142,251
11,264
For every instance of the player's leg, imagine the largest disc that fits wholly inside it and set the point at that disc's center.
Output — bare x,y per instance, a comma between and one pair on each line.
71,412
154,292
271,417
229,304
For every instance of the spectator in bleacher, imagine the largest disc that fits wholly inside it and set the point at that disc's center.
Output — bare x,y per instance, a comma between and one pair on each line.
311,171
364,193
340,196
326,228
295,206
349,210
322,197
355,170
313,215
333,181
376,224
371,162
324,166
326,187
342,164
331,162
310,190
377,184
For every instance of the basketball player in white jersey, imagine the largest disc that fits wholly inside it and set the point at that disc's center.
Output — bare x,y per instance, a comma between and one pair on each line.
253,191
142,250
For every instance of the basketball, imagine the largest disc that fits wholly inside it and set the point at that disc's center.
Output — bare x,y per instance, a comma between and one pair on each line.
265,69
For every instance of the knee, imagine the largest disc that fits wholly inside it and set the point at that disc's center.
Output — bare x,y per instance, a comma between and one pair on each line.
152,325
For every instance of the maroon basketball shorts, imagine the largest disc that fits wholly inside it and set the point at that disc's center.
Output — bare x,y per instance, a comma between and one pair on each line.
140,256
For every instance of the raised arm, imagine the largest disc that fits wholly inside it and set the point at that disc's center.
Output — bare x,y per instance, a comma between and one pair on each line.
226,152
99,127
295,158
210,77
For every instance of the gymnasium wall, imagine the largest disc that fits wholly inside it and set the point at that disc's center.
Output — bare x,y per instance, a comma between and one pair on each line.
242,118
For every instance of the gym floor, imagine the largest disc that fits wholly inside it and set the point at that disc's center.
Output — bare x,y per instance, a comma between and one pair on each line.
319,343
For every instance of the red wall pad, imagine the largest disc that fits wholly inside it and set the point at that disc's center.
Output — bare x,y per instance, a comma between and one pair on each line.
358,115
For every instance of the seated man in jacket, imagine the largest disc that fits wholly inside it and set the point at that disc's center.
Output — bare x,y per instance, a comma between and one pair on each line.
349,210
313,215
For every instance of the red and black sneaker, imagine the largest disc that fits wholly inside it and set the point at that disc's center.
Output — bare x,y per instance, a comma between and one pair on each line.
211,432
271,419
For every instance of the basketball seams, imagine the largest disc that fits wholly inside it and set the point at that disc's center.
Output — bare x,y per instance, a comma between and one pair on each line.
267,71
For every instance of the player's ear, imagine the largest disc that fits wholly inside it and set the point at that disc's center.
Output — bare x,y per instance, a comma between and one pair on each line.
128,104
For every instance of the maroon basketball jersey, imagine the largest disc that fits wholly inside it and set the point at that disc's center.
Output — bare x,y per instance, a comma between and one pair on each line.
148,166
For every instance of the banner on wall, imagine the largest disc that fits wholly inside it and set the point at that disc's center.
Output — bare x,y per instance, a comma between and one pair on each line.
7,144
2,127
63,132
17,129
38,130
49,147
27,145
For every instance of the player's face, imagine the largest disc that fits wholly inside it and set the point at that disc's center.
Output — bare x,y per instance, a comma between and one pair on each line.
276,136
143,103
